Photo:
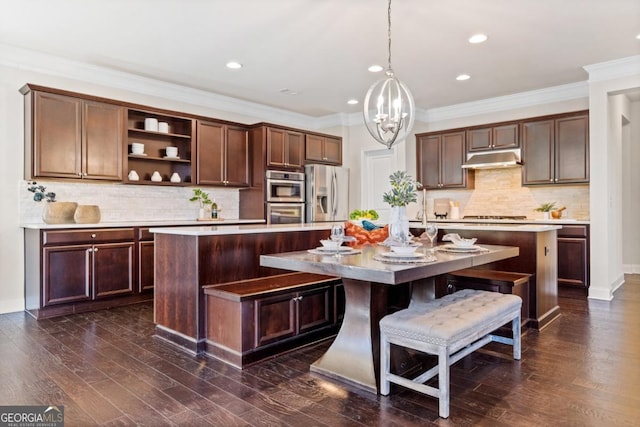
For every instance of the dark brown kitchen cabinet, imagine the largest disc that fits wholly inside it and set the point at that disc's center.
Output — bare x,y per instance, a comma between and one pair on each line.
573,256
495,137
555,150
284,149
323,149
70,137
222,155
439,160
291,314
146,259
69,271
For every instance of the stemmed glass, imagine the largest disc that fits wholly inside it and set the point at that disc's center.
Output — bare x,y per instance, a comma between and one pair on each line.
431,231
337,235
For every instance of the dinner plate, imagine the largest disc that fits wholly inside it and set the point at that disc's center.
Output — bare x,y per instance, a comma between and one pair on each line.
462,249
331,250
414,255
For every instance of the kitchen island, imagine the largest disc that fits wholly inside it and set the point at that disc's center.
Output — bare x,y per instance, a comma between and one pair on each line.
189,258
538,257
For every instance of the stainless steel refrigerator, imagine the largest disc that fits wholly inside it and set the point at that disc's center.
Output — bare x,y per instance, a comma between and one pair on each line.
327,193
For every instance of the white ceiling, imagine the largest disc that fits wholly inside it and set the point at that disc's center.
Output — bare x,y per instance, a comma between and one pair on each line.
321,48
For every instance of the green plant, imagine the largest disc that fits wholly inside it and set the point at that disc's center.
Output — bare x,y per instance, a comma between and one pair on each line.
403,189
200,196
40,192
546,207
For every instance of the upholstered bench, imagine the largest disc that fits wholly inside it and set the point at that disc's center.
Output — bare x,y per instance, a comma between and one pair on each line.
450,327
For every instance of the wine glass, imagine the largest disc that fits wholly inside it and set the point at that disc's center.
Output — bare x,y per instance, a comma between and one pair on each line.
431,231
337,235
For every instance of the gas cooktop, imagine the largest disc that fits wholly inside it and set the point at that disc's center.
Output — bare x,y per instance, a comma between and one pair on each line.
511,217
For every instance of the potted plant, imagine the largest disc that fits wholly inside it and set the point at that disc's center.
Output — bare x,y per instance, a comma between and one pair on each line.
403,192
205,203
545,208
54,212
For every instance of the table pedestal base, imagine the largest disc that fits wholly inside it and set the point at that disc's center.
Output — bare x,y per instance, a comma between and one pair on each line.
354,354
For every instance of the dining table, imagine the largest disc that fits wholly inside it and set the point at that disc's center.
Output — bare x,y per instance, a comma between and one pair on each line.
367,273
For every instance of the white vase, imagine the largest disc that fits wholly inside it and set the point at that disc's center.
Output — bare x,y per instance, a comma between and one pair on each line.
399,224
545,215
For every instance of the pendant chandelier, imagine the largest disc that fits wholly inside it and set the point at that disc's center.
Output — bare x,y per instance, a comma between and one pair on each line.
388,106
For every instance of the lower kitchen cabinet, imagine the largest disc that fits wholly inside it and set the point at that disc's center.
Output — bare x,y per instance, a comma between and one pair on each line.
573,256
145,260
69,271
249,320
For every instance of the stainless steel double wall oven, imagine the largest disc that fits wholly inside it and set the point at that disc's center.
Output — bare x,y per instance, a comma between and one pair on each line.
285,193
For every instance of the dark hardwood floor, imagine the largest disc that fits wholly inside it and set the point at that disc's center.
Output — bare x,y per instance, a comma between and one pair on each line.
107,369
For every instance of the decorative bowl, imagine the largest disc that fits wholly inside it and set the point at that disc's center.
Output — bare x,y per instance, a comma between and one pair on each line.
404,250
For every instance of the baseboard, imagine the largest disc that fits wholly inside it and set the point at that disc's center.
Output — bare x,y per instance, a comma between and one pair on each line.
606,294
631,268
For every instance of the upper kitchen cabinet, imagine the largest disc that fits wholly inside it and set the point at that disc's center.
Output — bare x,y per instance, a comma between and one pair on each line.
495,137
71,137
555,150
156,132
285,149
222,155
439,160
323,149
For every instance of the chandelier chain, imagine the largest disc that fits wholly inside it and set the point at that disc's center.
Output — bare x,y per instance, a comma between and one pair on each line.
389,33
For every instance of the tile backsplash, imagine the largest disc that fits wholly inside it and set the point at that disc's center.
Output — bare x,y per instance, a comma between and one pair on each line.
124,202
500,192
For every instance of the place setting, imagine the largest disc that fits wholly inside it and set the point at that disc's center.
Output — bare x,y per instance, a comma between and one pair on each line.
460,245
333,245
403,250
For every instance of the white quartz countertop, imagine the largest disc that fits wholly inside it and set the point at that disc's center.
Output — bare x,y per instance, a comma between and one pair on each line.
562,221
164,223
473,226
240,229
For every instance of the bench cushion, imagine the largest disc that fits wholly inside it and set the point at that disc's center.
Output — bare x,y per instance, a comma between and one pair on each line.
448,319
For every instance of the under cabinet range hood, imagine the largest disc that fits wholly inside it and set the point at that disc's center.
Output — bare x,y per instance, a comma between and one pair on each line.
493,160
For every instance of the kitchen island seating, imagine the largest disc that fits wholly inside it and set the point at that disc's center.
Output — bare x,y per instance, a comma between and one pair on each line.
450,327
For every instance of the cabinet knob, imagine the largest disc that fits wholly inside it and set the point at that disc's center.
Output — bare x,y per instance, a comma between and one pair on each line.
95,249
93,235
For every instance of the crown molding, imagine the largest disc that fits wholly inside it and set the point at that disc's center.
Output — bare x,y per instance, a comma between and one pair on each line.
615,69
43,63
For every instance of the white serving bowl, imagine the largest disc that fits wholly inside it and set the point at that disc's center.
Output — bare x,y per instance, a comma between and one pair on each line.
464,243
330,244
404,250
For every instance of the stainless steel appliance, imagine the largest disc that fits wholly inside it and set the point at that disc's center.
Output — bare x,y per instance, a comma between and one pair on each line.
284,198
285,186
327,193
285,213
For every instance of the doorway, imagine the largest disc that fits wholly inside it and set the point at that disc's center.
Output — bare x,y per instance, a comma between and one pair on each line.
377,165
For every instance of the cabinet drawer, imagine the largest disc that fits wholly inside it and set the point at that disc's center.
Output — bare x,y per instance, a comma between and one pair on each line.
86,236
573,231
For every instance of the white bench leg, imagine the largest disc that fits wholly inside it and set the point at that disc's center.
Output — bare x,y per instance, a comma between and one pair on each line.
443,382
516,337
385,364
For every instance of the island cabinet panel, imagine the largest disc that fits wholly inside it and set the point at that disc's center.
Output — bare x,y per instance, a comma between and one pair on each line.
222,155
251,319
439,161
70,271
555,150
73,137
573,256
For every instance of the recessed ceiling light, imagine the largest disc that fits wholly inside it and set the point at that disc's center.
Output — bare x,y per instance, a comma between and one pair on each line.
288,91
638,36
352,101
462,77
234,65
375,68
477,38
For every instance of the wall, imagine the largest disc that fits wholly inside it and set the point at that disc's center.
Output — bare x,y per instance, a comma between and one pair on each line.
631,190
